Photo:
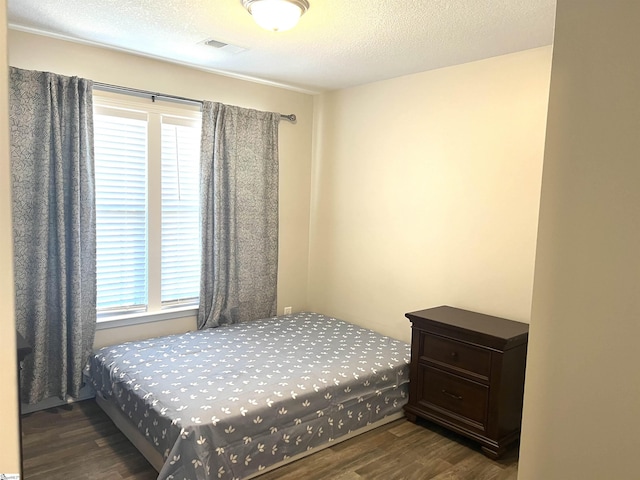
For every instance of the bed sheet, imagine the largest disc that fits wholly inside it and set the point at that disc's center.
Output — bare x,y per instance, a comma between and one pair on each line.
227,402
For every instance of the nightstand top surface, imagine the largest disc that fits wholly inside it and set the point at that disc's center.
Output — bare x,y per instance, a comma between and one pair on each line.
496,327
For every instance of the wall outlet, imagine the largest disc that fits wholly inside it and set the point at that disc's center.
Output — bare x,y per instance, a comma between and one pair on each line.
287,310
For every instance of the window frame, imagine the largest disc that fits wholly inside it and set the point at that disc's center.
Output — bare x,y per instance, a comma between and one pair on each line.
135,105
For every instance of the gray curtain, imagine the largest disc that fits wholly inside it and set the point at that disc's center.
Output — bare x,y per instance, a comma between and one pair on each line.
51,122
239,202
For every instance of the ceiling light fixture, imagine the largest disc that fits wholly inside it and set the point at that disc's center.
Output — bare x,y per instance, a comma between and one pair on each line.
276,15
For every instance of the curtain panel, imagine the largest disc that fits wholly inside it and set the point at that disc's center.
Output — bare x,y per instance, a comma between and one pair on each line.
51,128
239,214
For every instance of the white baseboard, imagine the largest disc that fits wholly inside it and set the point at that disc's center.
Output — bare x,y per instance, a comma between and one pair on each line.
86,393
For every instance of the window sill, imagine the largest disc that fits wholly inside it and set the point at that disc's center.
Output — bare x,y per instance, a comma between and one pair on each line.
145,317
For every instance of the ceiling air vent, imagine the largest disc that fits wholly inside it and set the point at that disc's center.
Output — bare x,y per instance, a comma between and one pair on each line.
215,43
222,46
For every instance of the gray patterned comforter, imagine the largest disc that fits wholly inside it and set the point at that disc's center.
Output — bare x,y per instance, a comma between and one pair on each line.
227,402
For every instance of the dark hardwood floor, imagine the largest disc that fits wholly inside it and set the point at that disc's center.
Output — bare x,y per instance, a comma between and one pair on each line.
79,442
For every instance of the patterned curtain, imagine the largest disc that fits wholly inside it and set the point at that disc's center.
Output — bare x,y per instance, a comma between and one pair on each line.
239,219
51,119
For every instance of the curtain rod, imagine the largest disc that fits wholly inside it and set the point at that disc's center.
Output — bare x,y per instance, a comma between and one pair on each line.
174,98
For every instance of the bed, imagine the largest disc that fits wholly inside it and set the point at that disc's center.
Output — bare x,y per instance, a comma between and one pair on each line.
235,401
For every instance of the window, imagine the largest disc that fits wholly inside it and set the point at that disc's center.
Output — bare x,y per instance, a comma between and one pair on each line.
147,205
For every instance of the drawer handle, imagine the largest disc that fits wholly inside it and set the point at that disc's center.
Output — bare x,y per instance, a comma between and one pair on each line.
452,395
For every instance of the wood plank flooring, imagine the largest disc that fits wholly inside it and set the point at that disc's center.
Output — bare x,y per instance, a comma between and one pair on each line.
79,442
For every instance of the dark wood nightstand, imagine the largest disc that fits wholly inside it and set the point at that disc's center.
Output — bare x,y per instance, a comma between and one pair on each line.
23,349
467,374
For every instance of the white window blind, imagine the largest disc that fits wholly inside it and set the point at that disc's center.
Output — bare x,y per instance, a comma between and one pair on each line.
147,206
121,212
180,212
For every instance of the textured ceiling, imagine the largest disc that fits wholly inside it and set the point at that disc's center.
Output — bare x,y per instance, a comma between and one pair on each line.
337,44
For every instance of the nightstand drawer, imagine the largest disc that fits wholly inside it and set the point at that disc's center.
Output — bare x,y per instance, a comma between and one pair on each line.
454,394
455,355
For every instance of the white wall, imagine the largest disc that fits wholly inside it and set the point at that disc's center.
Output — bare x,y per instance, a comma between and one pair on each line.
9,449
40,53
582,393
426,190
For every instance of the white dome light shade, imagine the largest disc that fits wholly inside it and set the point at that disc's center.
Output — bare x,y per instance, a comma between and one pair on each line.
276,15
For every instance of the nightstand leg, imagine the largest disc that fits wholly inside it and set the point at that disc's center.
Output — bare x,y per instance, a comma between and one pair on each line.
493,454
411,417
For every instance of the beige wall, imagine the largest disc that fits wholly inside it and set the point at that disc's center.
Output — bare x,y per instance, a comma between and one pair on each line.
9,450
426,190
582,394
40,53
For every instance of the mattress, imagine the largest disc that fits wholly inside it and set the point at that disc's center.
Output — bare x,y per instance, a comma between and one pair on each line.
228,402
